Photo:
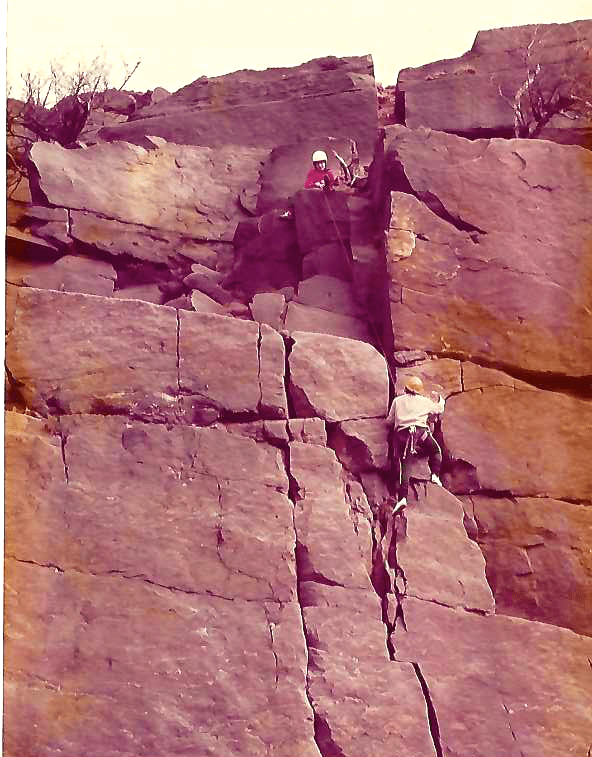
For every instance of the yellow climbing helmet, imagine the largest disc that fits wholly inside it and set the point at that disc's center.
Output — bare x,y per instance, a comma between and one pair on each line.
414,384
318,156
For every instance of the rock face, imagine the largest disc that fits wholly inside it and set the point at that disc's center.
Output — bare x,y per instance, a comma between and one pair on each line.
325,97
472,280
206,180
473,95
176,596
199,489
498,250
337,379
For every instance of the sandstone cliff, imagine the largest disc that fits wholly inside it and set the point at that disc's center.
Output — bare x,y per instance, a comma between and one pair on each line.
200,554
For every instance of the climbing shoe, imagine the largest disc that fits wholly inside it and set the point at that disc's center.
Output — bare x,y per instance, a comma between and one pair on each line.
436,480
400,505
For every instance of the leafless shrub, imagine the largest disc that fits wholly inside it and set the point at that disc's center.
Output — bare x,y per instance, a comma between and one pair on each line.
551,88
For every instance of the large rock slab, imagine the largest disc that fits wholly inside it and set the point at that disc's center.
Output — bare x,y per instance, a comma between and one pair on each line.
526,441
433,532
494,680
472,95
223,363
134,565
157,480
355,702
71,355
316,320
538,559
494,260
187,190
122,240
233,668
74,274
337,379
327,96
330,551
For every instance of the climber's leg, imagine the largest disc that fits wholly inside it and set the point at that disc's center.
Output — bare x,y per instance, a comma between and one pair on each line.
400,449
430,446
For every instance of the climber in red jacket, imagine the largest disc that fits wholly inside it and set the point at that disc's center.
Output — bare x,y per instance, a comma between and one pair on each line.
319,176
409,418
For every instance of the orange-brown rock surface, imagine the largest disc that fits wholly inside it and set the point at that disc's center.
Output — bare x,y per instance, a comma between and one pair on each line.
200,551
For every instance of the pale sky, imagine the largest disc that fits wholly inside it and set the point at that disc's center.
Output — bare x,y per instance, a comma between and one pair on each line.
180,40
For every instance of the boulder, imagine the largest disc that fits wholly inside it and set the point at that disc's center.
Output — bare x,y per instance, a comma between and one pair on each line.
180,303
204,304
337,379
529,442
115,101
206,284
306,318
145,292
74,274
473,95
269,308
329,293
496,272
204,182
327,96
158,94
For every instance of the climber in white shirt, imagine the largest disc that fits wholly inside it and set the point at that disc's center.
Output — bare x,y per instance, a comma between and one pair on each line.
409,418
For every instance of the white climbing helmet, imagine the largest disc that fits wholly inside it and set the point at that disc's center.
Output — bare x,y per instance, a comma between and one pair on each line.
318,156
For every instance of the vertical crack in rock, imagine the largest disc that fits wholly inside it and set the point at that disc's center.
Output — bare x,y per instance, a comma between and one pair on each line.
178,351
270,625
63,441
432,717
259,340
321,730
288,344
508,713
